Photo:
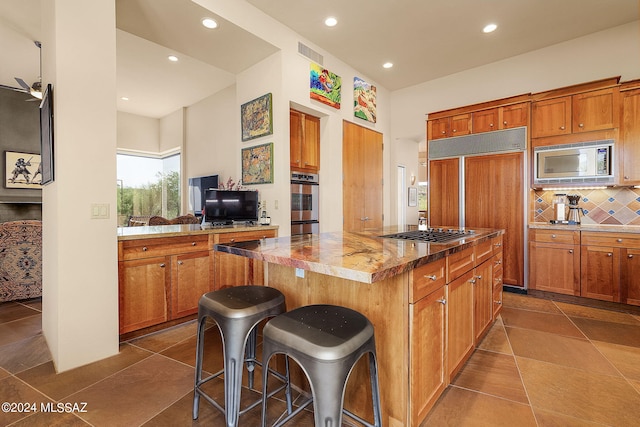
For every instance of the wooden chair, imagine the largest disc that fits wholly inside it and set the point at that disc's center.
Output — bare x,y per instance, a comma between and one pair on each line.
185,219
158,220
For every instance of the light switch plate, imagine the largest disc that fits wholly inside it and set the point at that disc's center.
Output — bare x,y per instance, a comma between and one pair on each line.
99,211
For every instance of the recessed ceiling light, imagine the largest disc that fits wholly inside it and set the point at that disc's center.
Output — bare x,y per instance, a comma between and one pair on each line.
209,23
124,98
489,28
387,64
172,58
330,21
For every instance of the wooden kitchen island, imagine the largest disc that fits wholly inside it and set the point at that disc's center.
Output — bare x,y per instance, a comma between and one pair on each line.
430,304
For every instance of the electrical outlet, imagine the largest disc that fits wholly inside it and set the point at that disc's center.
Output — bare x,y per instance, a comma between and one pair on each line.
275,204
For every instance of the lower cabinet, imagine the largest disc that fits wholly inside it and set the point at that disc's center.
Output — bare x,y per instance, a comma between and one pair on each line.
482,300
191,277
554,261
460,336
233,270
630,276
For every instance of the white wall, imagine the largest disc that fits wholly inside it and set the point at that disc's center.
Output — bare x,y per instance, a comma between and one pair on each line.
138,133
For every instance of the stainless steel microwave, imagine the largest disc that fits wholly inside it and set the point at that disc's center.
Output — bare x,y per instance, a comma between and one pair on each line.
581,163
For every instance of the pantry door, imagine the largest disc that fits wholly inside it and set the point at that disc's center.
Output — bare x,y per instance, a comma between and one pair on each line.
362,178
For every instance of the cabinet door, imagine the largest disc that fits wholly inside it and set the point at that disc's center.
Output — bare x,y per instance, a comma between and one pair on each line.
485,120
311,143
630,261
554,268
192,276
295,139
427,338
482,300
460,340
460,125
444,193
235,270
600,273
514,116
439,128
594,111
143,286
551,117
629,142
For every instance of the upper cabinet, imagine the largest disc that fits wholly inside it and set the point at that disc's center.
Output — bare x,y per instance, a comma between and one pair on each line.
304,134
507,117
446,127
629,141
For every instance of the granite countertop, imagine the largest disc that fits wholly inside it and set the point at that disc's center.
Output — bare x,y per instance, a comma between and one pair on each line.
363,257
609,228
156,231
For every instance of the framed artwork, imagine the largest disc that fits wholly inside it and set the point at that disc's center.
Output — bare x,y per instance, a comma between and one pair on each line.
413,196
257,118
46,135
22,170
325,86
257,164
364,100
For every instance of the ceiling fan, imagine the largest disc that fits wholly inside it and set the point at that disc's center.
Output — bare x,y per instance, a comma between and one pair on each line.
36,88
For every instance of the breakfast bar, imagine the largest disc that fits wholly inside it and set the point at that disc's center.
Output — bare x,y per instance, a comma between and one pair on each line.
430,303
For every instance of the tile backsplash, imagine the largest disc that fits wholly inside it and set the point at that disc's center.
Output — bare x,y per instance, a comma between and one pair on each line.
609,206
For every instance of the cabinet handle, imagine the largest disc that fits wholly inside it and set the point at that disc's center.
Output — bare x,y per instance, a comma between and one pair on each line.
443,132
162,265
630,256
581,125
442,301
562,128
609,254
366,218
232,240
473,281
504,123
498,302
455,130
479,277
498,262
497,245
619,240
432,277
144,249
553,236
626,177
570,251
193,243
491,125
180,262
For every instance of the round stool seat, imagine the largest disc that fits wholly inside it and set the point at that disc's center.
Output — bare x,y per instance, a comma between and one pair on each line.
240,302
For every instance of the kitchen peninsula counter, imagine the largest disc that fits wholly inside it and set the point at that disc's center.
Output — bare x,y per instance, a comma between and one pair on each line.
430,304
158,231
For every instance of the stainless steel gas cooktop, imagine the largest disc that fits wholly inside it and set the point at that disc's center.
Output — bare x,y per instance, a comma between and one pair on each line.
432,235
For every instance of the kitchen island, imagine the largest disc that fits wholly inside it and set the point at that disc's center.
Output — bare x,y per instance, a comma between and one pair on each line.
430,304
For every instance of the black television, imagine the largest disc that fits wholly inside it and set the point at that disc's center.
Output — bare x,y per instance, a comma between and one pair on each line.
197,188
228,206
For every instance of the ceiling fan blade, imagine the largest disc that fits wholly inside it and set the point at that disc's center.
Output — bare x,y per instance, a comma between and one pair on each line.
23,84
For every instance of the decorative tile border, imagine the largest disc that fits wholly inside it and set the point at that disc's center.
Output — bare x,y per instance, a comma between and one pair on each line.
609,206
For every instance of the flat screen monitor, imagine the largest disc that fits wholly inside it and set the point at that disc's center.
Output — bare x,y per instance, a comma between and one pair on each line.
197,188
226,206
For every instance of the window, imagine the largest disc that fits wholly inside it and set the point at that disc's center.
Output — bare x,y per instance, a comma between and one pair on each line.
148,186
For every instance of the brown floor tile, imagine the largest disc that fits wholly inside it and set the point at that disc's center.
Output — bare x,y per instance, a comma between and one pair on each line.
13,390
162,340
614,333
512,300
459,407
545,322
567,351
579,394
492,373
636,385
34,303
49,419
59,386
551,419
24,354
20,329
136,394
3,373
625,359
10,311
573,310
185,351
496,339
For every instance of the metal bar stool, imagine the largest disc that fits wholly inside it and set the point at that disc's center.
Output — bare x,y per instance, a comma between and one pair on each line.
326,341
237,311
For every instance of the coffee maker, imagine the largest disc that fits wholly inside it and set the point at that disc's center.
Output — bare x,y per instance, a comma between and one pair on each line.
575,211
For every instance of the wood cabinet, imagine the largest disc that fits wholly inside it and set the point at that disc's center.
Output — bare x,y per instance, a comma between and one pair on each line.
444,193
496,261
608,266
482,300
554,261
445,127
507,117
304,134
628,145
162,279
233,270
460,337
582,112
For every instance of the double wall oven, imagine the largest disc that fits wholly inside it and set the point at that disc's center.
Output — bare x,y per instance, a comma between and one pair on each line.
305,190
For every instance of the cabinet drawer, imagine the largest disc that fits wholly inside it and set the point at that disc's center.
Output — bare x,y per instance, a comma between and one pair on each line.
484,251
555,236
244,236
459,263
616,240
427,278
146,248
497,244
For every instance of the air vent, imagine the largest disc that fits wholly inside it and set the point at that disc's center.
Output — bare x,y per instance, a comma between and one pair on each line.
310,53
479,143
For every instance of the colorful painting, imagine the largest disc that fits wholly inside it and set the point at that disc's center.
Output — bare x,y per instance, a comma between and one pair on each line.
325,86
364,100
257,164
257,118
22,170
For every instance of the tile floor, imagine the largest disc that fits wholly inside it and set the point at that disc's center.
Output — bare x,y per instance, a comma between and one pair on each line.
543,363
